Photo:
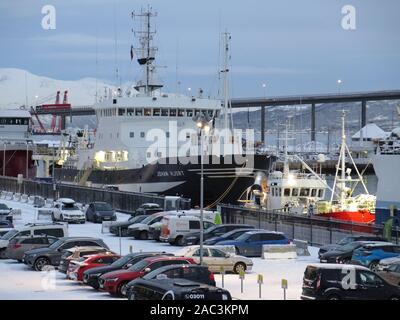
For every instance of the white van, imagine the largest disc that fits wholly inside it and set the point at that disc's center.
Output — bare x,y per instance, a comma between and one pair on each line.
67,210
57,230
173,228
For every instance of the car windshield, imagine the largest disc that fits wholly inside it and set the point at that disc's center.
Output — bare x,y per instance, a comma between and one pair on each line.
138,266
9,235
137,219
345,241
3,207
103,207
121,261
69,206
148,219
56,244
351,246
242,237
211,229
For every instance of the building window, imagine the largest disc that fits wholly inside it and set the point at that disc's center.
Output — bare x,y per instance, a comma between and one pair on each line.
181,112
172,112
156,112
189,112
167,134
139,111
164,112
131,112
131,134
147,112
142,134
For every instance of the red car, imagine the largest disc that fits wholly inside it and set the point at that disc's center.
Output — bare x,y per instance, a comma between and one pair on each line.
115,282
76,268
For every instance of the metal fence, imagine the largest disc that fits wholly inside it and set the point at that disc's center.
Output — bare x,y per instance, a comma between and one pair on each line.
123,201
315,230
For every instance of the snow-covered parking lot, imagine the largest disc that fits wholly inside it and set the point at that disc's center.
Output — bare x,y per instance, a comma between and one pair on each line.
17,281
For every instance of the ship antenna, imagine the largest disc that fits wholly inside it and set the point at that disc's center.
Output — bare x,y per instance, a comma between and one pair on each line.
146,52
225,71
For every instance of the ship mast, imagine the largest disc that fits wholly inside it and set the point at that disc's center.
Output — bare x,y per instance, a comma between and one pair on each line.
225,71
146,52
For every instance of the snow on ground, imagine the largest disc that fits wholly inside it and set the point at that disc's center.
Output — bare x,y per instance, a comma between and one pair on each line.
17,281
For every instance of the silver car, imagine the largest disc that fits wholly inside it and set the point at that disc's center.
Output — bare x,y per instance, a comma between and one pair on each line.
18,246
218,260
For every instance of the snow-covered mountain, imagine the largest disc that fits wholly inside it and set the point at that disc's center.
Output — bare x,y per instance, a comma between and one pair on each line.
16,84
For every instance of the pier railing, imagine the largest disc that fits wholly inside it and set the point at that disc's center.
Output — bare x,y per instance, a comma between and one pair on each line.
315,230
123,201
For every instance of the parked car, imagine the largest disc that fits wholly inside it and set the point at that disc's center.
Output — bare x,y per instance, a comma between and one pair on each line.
193,238
386,263
231,235
216,259
6,224
100,211
19,245
344,253
91,277
347,240
191,272
175,227
51,256
76,268
76,253
391,274
176,289
5,213
115,282
147,209
57,230
327,282
66,209
123,225
370,256
4,231
250,243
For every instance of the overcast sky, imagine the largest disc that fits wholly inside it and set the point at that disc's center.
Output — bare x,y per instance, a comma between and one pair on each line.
294,46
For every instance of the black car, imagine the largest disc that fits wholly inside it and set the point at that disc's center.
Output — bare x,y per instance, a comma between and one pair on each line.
193,238
191,272
344,253
175,289
147,209
5,213
51,256
100,211
345,282
91,276
121,228
347,240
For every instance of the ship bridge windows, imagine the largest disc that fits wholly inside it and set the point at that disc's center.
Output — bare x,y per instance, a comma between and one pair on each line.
130,112
181,112
295,192
164,112
121,112
321,193
131,134
189,112
287,192
172,113
156,112
138,112
147,112
304,192
313,192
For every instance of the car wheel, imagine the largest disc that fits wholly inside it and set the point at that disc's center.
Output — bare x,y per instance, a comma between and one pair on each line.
143,235
333,297
373,266
239,266
179,241
40,263
122,289
3,254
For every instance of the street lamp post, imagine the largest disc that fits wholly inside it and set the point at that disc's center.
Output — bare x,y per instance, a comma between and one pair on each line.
203,123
